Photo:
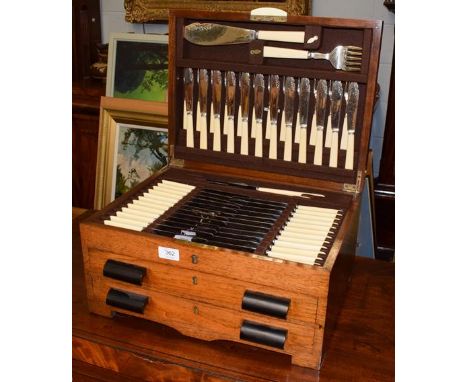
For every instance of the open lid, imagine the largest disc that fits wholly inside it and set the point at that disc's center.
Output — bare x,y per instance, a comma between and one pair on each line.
316,34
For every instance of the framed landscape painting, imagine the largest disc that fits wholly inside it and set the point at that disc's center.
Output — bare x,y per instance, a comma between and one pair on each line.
132,146
137,66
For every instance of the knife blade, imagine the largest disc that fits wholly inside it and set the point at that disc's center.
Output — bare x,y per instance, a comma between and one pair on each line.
244,105
320,109
202,104
217,34
289,94
274,86
188,118
337,95
328,128
344,132
353,101
259,95
216,95
230,81
313,129
304,99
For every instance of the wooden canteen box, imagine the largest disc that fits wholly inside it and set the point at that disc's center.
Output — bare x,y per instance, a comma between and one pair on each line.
237,239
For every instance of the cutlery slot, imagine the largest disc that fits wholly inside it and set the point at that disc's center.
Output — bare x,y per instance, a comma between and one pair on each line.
124,272
263,334
126,300
266,304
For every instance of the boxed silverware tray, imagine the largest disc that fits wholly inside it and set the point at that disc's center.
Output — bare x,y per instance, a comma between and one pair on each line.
249,234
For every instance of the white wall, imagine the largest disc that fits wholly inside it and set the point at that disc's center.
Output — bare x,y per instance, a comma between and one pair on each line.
368,9
113,20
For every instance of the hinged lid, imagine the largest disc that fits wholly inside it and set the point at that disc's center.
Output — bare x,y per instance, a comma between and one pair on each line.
212,146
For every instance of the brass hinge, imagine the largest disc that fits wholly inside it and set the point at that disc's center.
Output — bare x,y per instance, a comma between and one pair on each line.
177,162
353,188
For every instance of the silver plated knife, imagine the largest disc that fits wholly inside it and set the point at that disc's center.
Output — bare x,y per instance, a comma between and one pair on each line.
274,86
303,113
188,118
336,96
289,94
259,94
216,95
230,81
217,34
320,110
244,106
351,115
202,104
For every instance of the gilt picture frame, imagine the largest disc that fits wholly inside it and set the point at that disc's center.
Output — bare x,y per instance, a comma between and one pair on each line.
137,66
145,11
132,145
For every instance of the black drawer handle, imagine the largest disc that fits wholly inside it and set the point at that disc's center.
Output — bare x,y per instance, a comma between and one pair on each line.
124,272
266,304
263,334
126,300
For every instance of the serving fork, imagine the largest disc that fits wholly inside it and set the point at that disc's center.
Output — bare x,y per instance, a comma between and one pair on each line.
347,58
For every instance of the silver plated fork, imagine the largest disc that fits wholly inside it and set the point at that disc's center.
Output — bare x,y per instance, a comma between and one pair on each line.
347,58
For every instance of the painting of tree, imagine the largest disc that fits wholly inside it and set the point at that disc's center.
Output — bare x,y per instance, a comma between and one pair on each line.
141,71
141,151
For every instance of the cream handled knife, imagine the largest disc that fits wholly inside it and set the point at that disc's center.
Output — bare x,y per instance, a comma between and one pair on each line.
216,95
259,93
202,105
244,106
274,86
304,98
289,94
351,115
336,96
230,81
188,118
217,34
320,109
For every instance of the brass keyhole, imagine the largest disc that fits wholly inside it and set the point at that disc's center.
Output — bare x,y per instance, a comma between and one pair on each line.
194,259
194,280
195,309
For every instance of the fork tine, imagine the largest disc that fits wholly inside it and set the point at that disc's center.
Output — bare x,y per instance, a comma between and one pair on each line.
353,47
354,59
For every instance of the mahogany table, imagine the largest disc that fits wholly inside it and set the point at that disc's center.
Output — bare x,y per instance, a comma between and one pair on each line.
131,349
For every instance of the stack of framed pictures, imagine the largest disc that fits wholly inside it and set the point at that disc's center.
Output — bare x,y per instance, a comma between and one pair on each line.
133,136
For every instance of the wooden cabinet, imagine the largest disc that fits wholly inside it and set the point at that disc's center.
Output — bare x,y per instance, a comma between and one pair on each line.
85,129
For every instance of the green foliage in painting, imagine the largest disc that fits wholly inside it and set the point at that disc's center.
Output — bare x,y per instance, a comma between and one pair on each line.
142,66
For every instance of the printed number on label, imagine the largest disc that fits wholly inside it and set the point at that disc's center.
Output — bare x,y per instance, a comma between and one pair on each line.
168,253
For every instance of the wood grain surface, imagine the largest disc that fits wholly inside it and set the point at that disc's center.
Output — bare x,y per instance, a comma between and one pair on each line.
361,347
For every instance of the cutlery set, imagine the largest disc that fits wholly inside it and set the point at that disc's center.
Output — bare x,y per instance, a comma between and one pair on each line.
347,58
249,234
291,113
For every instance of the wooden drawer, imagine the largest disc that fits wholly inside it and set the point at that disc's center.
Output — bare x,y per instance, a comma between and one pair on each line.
201,286
308,280
202,320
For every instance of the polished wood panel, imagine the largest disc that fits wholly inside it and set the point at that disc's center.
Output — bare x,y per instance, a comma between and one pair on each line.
125,348
85,129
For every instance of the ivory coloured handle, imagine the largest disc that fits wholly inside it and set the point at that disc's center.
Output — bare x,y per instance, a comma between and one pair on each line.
350,152
302,145
288,36
318,148
334,150
274,52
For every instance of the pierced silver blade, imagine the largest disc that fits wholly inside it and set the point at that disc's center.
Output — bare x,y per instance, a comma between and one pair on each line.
216,34
259,91
230,93
304,97
216,80
352,106
289,93
274,86
337,95
321,103
203,90
188,90
245,95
